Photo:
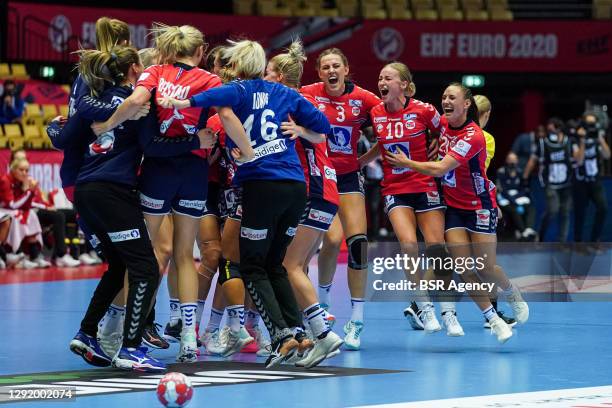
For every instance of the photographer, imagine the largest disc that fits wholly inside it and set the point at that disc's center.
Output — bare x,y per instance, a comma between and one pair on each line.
589,146
513,199
11,104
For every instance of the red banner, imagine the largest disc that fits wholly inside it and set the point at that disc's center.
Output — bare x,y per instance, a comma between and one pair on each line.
34,91
44,166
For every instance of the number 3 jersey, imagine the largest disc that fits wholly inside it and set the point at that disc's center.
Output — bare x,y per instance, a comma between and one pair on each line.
346,113
405,131
262,106
466,187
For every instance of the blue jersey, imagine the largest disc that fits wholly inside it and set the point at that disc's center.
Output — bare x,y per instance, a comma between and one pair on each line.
262,106
88,106
113,156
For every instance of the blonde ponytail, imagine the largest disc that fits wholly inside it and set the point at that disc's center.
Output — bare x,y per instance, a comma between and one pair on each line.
174,42
291,64
111,32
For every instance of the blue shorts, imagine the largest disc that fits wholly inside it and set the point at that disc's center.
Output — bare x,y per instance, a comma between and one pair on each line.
479,221
419,202
178,184
212,201
318,214
230,203
350,183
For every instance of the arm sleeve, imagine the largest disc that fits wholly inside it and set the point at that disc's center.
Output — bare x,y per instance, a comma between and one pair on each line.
149,78
62,137
226,95
155,145
308,116
432,119
464,150
94,109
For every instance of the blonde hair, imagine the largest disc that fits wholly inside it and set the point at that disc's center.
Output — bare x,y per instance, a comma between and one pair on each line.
291,64
148,56
17,162
483,103
102,68
245,60
405,75
111,32
174,42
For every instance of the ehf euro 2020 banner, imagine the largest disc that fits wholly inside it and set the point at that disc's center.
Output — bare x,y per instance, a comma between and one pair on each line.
519,46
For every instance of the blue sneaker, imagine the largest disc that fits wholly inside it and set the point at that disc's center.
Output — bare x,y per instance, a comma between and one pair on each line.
87,347
137,359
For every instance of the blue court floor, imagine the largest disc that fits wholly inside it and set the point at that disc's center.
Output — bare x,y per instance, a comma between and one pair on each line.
564,346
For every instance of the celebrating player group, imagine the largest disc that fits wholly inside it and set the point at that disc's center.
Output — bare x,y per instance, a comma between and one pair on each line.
261,173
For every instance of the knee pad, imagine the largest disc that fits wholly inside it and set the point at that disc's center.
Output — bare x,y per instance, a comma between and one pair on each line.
357,251
437,255
228,270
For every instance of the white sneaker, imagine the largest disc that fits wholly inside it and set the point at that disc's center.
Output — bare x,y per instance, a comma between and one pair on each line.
86,259
14,259
518,305
353,329
430,322
236,341
323,347
67,261
453,328
2,264
94,255
25,263
500,328
42,262
263,344
110,343
211,340
188,347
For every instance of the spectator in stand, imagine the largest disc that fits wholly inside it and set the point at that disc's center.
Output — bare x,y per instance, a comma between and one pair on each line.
18,154
591,146
513,199
523,144
17,191
11,104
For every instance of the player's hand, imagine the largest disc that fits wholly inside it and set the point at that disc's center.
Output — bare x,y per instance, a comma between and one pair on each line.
99,128
398,159
292,129
238,156
169,103
208,138
142,111
432,149
61,120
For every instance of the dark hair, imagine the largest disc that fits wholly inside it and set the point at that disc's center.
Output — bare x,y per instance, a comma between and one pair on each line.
212,55
557,123
102,68
472,113
332,51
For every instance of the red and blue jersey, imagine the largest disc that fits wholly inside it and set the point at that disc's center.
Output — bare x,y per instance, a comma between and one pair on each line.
405,130
222,169
179,81
466,187
347,114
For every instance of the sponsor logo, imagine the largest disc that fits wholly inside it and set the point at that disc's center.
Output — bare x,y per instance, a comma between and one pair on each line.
436,119
462,147
151,203
59,31
322,99
321,107
479,183
389,200
379,119
273,147
433,197
379,128
483,219
144,76
291,231
94,241
195,204
312,163
410,124
409,116
397,148
253,234
357,103
239,210
126,235
320,216
340,140
330,173
388,44
355,111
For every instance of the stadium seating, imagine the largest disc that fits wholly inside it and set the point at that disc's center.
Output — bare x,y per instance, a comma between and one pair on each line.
602,9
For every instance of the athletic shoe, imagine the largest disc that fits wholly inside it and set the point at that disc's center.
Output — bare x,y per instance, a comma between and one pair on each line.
509,321
67,261
42,262
236,341
353,329
412,313
25,263
251,347
216,345
14,259
87,347
94,255
110,343
2,264
263,344
138,359
87,260
332,354
151,337
188,347
430,322
518,305
500,328
208,338
172,333
282,351
322,348
453,328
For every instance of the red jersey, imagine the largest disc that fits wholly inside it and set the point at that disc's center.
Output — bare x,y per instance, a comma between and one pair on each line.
405,130
466,187
346,113
179,81
319,172
222,169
